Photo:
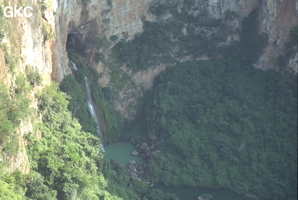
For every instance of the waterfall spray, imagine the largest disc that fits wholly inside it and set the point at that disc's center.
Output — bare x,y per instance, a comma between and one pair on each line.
73,66
92,111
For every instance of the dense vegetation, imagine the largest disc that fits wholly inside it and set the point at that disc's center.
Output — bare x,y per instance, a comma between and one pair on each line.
66,162
14,107
223,123
11,112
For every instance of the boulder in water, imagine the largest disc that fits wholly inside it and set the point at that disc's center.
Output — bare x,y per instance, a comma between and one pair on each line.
205,197
132,140
134,153
132,162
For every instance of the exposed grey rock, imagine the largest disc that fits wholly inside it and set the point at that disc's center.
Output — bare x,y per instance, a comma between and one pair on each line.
133,174
144,147
152,137
152,147
157,151
242,146
132,140
136,178
251,196
132,162
205,197
135,170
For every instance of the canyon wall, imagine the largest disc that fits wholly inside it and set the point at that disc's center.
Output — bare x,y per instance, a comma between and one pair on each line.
97,19
26,42
88,21
276,19
41,41
91,20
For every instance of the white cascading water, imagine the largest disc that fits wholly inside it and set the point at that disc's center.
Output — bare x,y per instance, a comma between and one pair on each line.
93,112
73,66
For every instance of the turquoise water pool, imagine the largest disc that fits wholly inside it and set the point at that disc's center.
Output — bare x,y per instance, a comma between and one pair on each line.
121,151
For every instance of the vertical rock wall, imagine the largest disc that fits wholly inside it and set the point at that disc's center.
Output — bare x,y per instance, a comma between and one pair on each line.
29,42
217,8
276,19
92,20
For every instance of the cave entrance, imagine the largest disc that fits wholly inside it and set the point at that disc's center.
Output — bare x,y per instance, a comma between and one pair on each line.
74,42
71,41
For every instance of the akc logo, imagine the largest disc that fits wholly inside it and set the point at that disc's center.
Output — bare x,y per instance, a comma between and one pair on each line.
10,11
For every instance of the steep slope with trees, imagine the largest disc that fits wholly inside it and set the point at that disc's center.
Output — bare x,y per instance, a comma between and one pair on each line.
222,123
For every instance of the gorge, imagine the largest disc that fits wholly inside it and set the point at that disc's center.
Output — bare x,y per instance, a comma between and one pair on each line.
206,91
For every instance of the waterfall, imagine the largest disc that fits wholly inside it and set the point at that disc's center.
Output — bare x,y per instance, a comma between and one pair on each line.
73,66
92,111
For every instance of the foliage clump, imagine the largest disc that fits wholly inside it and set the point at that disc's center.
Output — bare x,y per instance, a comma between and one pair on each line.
33,76
66,161
13,109
225,126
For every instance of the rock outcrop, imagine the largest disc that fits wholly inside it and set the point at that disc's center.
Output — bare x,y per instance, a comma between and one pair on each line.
276,19
217,8
29,42
91,20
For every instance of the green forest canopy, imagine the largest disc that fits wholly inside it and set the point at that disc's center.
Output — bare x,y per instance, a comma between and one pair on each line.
222,123
225,125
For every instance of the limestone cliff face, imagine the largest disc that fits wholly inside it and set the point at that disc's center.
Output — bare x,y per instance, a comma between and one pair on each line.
28,41
217,8
83,24
276,19
123,18
87,21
